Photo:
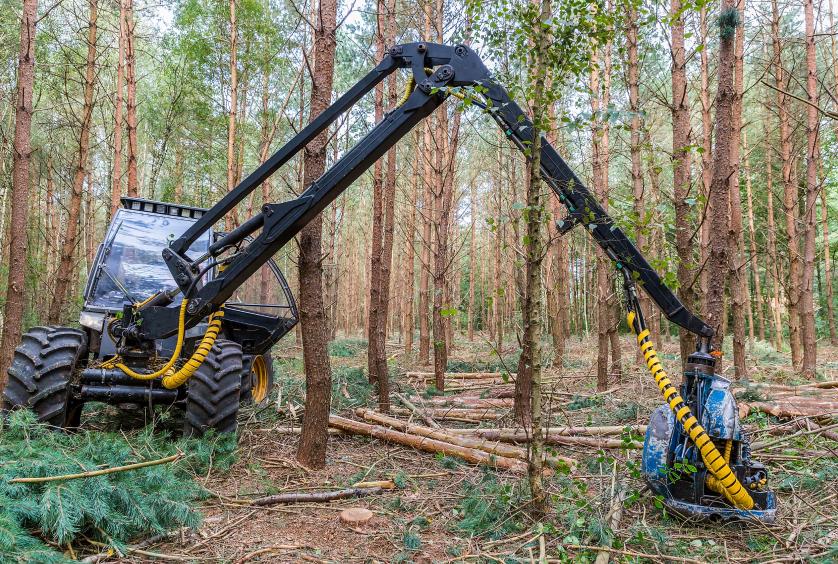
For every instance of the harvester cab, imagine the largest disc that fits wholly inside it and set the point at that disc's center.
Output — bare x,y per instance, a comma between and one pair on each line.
127,275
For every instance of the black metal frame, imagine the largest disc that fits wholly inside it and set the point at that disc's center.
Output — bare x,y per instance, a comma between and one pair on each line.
454,66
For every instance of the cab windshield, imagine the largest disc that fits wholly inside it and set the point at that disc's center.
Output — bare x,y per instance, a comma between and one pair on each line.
131,266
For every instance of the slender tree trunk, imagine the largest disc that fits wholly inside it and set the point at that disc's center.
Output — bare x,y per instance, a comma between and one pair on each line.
71,236
736,241
807,292
472,259
410,259
116,176
637,187
827,270
754,258
21,157
790,206
603,281
776,304
534,252
722,171
232,219
311,451
681,174
706,158
131,105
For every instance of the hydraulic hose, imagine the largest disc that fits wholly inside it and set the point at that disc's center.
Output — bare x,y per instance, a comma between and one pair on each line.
172,381
181,330
722,479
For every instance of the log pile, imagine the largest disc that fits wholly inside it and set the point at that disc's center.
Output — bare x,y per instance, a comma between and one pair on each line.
491,446
816,399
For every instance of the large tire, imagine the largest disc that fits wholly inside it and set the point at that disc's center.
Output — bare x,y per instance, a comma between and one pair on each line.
41,369
212,399
250,378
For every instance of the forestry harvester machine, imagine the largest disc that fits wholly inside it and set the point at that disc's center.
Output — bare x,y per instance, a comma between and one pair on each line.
171,316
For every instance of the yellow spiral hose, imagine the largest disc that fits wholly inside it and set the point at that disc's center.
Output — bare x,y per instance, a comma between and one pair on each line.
173,379
722,479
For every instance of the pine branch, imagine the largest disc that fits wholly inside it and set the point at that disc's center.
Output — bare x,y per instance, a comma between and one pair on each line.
91,473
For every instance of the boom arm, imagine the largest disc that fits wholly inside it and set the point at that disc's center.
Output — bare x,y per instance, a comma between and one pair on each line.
456,66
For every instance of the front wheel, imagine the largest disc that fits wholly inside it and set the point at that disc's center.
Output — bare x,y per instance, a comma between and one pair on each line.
212,399
42,367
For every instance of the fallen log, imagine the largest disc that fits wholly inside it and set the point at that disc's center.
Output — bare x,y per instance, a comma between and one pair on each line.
494,447
426,444
459,375
795,406
606,430
456,413
315,497
521,436
471,402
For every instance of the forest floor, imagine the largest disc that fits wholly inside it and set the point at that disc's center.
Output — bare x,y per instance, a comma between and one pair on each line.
444,510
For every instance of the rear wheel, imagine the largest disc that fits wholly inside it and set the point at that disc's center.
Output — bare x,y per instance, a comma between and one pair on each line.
41,370
212,399
257,378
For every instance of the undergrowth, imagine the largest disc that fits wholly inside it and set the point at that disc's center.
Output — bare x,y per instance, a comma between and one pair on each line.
112,508
490,508
345,348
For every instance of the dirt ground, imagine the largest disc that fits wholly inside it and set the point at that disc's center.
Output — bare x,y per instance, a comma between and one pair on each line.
444,510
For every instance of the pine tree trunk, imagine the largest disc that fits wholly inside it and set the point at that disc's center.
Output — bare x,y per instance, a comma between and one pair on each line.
71,236
776,303
22,155
131,103
827,270
603,282
681,174
232,219
311,451
736,241
717,262
706,159
754,258
410,259
472,259
534,252
790,206
116,176
637,188
807,297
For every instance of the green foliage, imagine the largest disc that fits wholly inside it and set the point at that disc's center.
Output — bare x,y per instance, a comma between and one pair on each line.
729,20
112,508
350,388
581,402
346,348
489,507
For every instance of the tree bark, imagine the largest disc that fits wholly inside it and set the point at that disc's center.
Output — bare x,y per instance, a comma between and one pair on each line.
116,176
706,158
790,206
717,262
754,258
681,174
71,235
131,104
472,258
776,303
736,240
232,219
827,260
410,258
807,293
21,156
311,450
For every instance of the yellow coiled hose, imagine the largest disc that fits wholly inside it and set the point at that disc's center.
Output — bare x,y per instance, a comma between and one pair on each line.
722,479
173,379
